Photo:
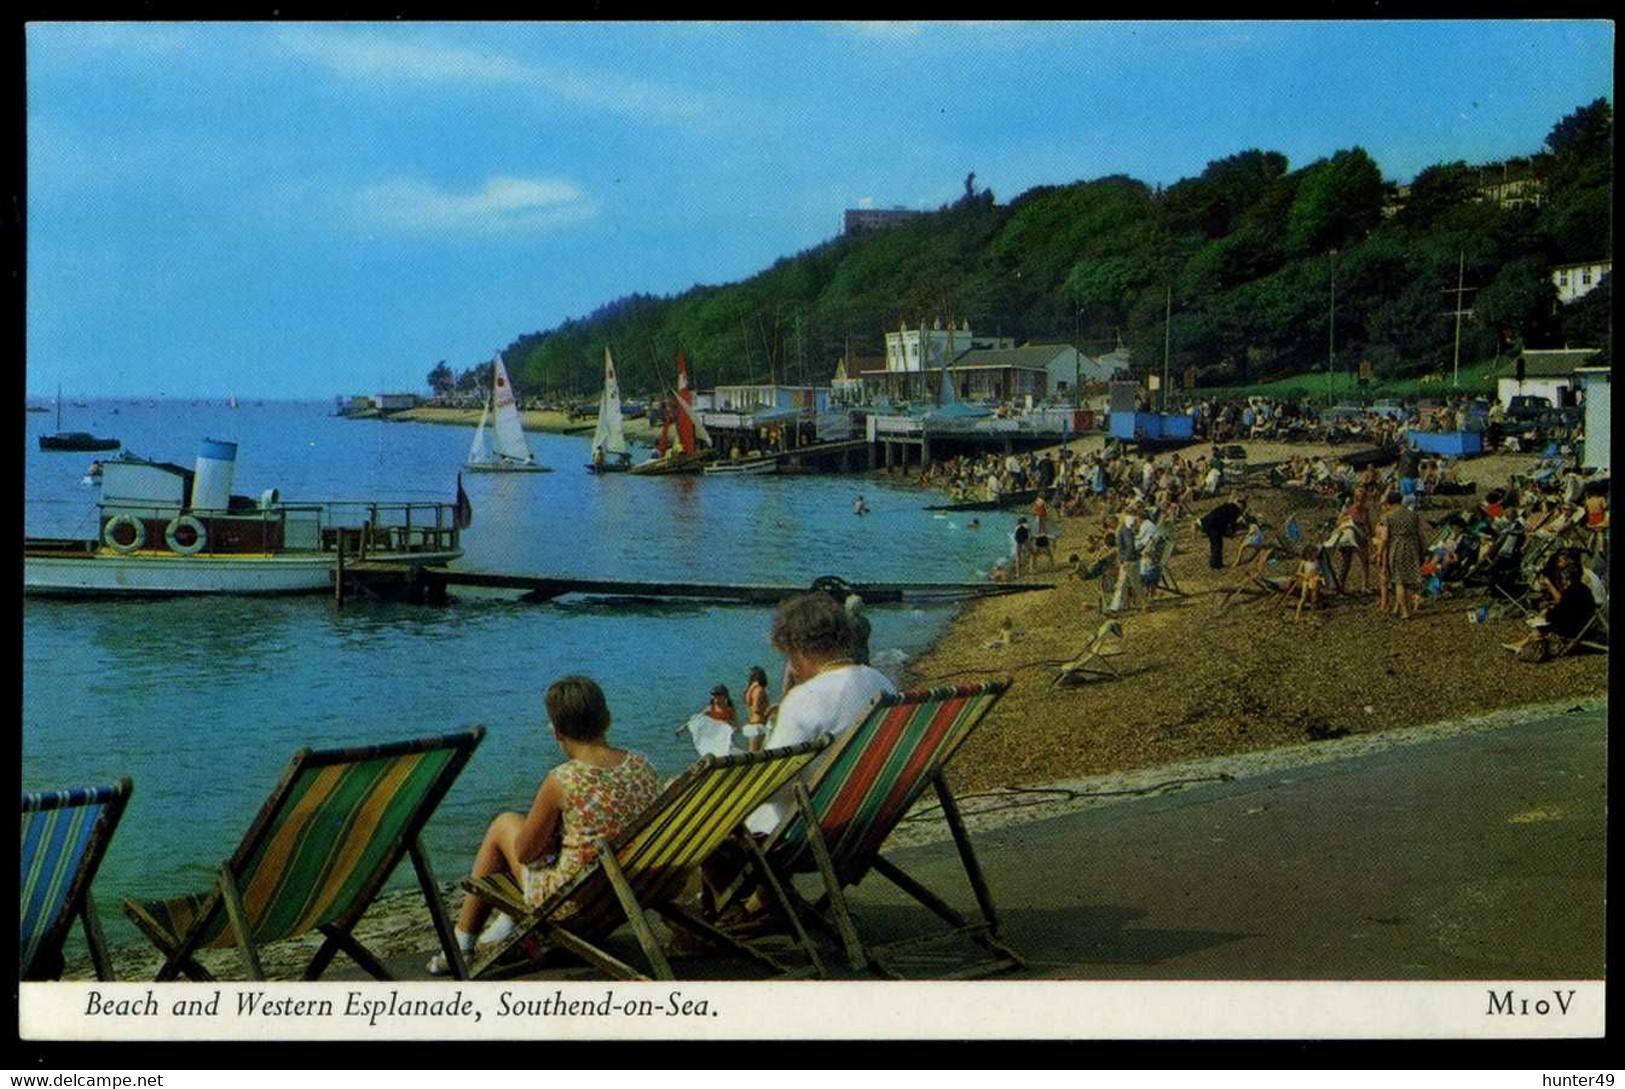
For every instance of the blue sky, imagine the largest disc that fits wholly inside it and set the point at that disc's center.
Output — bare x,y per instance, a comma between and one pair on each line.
299,210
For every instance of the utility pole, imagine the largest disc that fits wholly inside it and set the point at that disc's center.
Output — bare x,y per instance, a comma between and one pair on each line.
1457,291
1331,337
1077,353
1167,342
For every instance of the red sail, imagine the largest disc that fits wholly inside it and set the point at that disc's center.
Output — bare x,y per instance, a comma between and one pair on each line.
685,413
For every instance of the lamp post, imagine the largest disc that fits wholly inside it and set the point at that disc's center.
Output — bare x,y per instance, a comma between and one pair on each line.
1331,335
1077,353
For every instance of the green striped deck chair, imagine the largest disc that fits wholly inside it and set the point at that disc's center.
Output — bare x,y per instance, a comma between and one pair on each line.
333,830
856,795
65,833
649,865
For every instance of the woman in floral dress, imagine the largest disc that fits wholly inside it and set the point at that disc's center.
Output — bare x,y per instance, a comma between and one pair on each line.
594,794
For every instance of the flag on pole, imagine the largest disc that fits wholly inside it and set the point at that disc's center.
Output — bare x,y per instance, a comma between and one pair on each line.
463,511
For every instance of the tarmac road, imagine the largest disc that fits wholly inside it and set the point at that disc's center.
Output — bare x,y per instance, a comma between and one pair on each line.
1479,856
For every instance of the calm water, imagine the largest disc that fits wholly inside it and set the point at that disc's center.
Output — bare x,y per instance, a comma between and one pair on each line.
202,702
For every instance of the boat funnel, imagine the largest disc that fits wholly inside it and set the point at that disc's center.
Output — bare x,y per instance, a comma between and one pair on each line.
213,476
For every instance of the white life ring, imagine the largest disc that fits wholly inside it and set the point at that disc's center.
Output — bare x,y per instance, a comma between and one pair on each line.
200,536
110,533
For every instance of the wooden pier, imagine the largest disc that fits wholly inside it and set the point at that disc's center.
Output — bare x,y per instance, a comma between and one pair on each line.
398,582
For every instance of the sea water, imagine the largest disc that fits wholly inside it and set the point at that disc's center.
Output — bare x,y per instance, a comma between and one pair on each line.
203,701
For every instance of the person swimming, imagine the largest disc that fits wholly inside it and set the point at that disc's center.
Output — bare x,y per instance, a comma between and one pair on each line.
860,507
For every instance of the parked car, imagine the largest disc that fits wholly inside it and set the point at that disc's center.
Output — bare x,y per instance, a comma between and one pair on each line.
1389,409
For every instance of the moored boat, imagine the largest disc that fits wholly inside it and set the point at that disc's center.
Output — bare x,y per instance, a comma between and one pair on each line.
743,467
693,449
73,440
166,530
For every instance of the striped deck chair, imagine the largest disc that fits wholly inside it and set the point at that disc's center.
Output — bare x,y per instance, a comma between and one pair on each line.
649,866
65,833
333,830
859,792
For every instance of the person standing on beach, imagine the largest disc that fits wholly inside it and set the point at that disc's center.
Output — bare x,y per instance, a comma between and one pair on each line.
1217,524
832,690
1129,588
757,701
1405,549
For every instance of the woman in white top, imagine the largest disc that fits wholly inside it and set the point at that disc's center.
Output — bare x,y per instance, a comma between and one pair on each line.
830,692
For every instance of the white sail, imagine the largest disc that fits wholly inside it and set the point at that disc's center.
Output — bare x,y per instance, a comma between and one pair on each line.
509,440
608,436
476,449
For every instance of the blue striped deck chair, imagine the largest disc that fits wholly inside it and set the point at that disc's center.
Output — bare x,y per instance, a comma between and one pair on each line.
649,865
65,834
335,827
854,797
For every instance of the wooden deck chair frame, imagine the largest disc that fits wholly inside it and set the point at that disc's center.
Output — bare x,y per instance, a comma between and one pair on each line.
40,952
1562,648
847,778
1094,660
1165,572
648,866
225,900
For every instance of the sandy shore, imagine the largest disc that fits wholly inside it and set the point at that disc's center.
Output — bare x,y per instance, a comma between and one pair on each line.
532,420
1199,683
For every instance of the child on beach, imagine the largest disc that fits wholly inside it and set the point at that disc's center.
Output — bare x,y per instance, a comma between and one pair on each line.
593,794
1308,578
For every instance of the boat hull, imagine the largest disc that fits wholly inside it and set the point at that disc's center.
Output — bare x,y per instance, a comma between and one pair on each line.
752,468
77,443
668,466
516,467
609,468
155,574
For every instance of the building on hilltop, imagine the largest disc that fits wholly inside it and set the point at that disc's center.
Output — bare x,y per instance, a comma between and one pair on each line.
1577,280
860,220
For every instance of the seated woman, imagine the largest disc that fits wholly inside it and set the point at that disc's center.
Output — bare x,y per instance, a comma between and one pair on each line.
1565,618
1251,544
594,793
722,706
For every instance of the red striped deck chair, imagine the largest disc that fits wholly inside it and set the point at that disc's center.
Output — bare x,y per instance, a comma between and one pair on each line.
333,830
649,866
65,833
858,793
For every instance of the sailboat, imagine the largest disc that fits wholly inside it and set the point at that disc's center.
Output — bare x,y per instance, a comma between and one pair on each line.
610,453
233,401
693,441
508,452
73,440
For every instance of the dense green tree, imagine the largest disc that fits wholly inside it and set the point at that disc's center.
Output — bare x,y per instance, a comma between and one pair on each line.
1246,248
441,380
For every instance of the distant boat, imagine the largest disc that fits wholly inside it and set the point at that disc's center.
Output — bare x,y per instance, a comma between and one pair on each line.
610,453
73,440
37,408
744,467
233,400
507,452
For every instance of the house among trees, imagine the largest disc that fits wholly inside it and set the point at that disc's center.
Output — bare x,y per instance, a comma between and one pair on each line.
862,220
1546,373
1577,280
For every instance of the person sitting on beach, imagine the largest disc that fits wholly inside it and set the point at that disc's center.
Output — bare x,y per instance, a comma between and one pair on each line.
1252,542
832,691
1565,618
1007,635
596,792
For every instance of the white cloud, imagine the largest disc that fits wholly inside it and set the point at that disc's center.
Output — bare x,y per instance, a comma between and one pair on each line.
378,58
866,202
504,205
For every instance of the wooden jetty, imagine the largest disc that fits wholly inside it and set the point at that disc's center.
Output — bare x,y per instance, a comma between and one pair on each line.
428,584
